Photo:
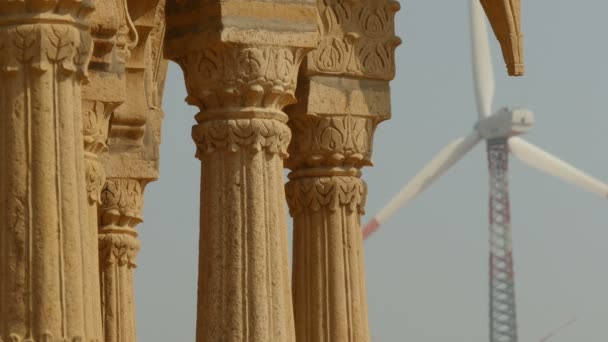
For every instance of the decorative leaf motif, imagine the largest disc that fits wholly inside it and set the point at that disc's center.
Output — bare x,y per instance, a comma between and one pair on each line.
235,76
333,57
337,140
40,45
122,197
357,38
256,135
326,193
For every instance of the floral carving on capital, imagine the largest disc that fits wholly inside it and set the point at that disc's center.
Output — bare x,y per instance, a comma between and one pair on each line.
120,249
225,75
120,212
255,135
122,203
96,123
43,47
343,140
332,193
357,38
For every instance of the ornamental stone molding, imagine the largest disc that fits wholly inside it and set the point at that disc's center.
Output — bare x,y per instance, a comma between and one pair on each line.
357,39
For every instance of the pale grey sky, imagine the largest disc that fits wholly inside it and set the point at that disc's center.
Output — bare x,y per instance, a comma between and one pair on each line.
427,268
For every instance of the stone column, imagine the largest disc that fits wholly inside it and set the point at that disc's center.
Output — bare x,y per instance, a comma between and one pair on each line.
343,94
132,162
120,213
113,33
47,291
240,60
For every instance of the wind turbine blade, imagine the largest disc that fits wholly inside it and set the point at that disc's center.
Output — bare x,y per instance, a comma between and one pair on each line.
450,154
555,331
554,166
483,73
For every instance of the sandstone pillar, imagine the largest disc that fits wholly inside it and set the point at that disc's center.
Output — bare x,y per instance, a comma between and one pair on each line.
240,60
120,213
47,289
343,94
130,164
113,34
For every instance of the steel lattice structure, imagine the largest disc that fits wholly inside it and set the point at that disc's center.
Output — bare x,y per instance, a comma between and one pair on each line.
503,320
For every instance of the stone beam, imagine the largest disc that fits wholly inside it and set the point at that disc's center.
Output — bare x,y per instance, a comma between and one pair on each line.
240,61
48,282
343,93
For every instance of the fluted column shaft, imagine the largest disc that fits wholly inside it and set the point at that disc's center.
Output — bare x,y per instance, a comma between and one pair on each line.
46,286
329,273
343,94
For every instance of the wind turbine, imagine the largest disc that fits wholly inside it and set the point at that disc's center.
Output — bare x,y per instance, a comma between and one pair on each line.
554,332
500,131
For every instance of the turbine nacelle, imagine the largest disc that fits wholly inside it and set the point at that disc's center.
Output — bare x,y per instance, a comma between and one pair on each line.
506,123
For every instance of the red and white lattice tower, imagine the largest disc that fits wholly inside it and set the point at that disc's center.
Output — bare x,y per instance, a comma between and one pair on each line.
503,320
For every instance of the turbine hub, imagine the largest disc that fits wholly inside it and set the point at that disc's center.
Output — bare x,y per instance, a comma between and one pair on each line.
506,123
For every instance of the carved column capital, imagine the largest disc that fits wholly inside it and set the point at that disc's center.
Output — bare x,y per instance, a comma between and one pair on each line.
332,193
226,75
119,214
61,42
241,91
336,140
96,117
122,203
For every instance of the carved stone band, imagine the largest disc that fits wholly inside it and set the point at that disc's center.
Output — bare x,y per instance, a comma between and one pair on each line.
44,47
270,136
332,193
119,248
225,75
357,39
122,203
332,140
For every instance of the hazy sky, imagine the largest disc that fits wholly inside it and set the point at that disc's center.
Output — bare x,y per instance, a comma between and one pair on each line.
427,268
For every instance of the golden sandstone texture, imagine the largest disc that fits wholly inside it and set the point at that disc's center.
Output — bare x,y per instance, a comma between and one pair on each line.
300,84
505,18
